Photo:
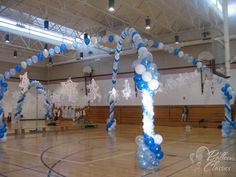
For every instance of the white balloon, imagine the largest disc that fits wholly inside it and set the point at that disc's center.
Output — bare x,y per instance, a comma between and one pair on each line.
142,51
69,47
153,84
45,53
131,30
116,38
94,40
199,65
158,139
57,49
160,46
140,69
166,48
23,64
35,59
12,71
147,76
170,49
181,54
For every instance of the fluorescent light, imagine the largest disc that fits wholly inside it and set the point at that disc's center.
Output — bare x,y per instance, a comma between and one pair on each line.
111,5
34,32
148,23
232,9
111,9
7,38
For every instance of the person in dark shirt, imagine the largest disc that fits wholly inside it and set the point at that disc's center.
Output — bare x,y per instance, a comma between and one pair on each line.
184,115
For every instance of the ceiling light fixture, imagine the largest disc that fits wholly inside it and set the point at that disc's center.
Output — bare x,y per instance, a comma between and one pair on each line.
50,62
176,39
148,23
81,55
7,38
45,46
46,24
111,5
15,54
33,32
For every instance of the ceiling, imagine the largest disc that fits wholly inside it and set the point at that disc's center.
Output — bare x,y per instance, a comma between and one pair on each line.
186,18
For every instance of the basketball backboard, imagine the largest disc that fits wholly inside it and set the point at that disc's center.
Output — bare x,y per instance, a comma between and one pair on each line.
218,63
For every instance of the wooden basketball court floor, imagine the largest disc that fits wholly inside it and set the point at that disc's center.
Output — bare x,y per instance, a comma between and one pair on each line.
92,152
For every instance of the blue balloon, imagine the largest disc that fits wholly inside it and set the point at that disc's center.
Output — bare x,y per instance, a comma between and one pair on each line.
142,85
18,68
155,148
1,135
140,45
155,44
137,77
223,89
4,84
111,38
229,97
29,61
227,85
149,141
176,51
146,62
87,41
63,47
2,125
160,155
51,51
1,96
40,56
194,62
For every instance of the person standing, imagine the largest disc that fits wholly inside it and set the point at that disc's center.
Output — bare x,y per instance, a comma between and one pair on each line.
184,115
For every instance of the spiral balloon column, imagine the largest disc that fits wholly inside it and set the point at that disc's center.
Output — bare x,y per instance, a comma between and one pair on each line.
228,124
146,78
3,126
40,90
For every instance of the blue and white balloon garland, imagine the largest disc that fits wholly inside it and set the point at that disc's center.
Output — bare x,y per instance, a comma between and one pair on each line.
40,90
3,126
228,124
18,68
146,78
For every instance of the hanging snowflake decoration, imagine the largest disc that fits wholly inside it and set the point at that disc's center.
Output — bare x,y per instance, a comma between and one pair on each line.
24,82
127,90
69,92
114,95
93,91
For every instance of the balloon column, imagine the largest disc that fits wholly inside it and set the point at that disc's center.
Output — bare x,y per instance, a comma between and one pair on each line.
146,78
40,90
228,124
3,126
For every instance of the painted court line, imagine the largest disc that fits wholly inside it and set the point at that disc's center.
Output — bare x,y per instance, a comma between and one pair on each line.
71,161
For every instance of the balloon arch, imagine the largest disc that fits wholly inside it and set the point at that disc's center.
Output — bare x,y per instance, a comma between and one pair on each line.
40,90
146,79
